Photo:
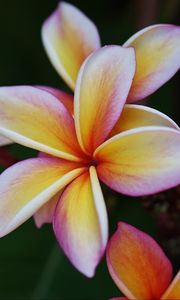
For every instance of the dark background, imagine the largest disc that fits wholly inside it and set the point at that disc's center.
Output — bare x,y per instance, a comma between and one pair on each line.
31,264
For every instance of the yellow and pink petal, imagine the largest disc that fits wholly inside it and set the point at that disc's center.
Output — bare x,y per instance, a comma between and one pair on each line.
173,291
140,161
28,185
102,86
4,141
80,222
66,98
137,264
157,51
35,118
69,37
135,116
45,214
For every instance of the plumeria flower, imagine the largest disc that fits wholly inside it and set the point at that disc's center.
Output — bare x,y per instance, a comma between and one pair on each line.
139,266
135,150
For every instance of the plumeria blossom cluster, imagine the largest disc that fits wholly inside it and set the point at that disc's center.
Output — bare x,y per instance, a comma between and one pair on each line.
139,267
91,137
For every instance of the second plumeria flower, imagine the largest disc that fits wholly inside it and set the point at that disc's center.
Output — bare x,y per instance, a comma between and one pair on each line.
139,266
133,149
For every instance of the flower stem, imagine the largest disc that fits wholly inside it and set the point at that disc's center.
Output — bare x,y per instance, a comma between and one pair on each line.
46,279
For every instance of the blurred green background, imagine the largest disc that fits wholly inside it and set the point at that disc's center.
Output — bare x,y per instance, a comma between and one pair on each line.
31,264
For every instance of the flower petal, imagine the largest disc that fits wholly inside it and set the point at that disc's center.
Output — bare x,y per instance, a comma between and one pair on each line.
69,37
65,98
140,161
45,213
173,291
137,264
102,86
28,185
4,141
134,116
157,51
36,119
80,222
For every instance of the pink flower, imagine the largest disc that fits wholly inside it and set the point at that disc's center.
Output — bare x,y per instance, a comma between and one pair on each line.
139,267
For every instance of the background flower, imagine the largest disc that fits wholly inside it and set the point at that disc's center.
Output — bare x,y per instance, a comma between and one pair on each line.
139,267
